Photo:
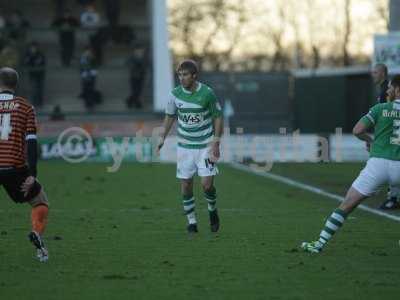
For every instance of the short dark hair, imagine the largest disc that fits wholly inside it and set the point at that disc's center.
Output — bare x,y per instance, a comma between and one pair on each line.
188,65
382,67
8,78
395,81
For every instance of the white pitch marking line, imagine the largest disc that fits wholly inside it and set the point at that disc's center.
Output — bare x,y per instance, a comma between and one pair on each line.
140,210
309,188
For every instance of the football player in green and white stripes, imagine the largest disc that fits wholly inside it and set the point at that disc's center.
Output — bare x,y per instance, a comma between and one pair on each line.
383,166
198,113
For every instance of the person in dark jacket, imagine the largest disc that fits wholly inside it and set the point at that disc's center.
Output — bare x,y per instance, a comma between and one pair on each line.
380,77
137,72
35,64
17,26
66,26
88,74
112,10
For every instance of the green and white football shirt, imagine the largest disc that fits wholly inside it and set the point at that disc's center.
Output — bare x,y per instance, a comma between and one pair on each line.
195,112
385,118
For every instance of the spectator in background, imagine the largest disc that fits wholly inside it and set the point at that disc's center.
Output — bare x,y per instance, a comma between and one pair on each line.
2,22
3,41
9,56
97,41
137,70
88,74
90,18
35,64
17,26
16,30
112,11
57,114
66,26
380,77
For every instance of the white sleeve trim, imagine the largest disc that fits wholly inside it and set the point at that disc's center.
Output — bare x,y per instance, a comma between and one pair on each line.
171,106
370,118
31,137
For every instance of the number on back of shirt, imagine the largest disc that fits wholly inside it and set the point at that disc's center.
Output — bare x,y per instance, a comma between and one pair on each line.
5,126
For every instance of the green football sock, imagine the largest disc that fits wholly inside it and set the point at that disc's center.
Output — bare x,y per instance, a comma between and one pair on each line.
211,198
189,207
334,222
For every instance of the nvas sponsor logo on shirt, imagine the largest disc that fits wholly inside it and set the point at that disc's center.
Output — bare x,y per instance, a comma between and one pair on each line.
191,118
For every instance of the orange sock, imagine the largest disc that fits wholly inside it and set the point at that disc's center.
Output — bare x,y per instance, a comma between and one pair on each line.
39,218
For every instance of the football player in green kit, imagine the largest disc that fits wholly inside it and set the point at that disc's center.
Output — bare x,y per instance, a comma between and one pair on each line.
383,165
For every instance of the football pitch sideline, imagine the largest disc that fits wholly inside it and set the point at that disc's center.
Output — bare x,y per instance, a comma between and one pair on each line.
123,236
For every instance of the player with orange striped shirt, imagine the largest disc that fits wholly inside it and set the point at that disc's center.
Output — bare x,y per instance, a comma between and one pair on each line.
18,157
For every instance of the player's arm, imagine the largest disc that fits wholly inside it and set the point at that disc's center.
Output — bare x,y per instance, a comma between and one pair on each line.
360,130
367,122
167,125
170,117
218,124
32,154
31,146
31,151
218,129
31,143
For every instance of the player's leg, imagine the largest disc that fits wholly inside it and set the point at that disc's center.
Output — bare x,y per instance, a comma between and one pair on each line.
39,213
371,178
186,168
207,169
335,220
210,192
210,195
37,199
189,204
39,217
392,199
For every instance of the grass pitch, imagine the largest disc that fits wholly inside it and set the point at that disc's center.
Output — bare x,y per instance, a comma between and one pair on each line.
122,236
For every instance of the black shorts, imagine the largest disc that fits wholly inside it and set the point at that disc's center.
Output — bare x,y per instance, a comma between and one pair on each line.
12,180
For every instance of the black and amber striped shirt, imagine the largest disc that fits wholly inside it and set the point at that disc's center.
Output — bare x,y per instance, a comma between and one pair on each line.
17,124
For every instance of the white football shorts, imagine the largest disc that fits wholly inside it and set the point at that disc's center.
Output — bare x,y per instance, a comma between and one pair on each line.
190,161
377,172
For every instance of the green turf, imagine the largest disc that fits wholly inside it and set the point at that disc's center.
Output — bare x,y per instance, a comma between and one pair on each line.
122,236
332,177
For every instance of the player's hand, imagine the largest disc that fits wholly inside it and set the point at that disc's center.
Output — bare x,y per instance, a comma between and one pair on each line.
159,146
215,152
27,185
